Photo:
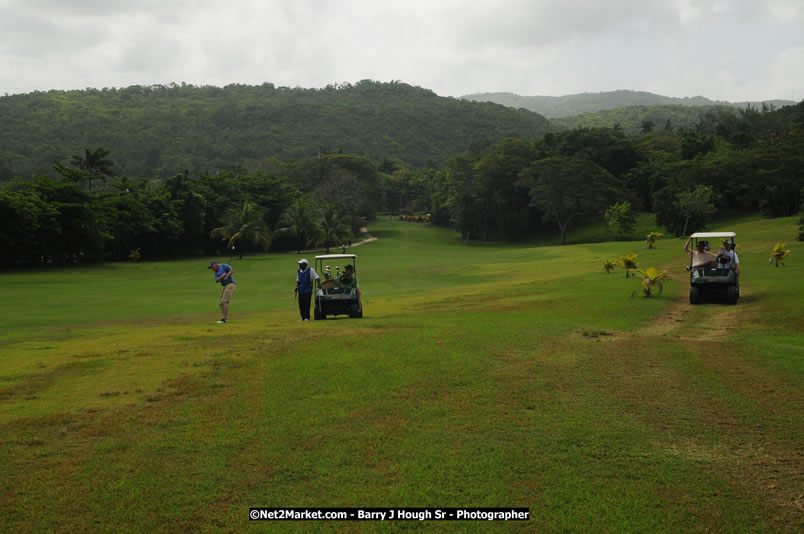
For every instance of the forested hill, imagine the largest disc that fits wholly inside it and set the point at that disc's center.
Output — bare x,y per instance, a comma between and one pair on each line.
634,120
570,105
158,131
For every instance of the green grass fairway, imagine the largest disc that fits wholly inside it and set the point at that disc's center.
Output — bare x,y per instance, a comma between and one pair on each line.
488,375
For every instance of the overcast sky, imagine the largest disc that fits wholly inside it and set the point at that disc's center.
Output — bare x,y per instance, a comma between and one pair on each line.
722,49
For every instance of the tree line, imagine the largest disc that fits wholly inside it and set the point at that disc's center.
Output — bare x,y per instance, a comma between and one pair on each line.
584,104
746,161
66,219
509,190
727,121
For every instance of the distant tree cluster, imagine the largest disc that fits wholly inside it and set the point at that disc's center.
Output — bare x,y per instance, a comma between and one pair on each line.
62,220
579,107
507,190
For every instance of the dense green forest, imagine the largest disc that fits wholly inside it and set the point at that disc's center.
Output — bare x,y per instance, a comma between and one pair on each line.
731,161
158,131
86,207
67,219
570,105
634,120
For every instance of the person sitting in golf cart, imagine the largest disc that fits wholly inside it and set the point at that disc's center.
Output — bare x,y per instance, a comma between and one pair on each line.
701,258
347,278
727,258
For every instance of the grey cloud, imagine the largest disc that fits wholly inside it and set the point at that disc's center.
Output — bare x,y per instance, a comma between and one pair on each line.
149,51
534,24
33,35
451,46
89,8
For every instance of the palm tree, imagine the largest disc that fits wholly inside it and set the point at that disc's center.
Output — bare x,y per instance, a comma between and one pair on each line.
779,253
95,164
650,277
247,224
652,238
629,262
333,226
298,221
609,265
123,184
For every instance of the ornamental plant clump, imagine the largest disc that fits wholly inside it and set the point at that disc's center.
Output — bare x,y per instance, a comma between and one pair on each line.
629,262
778,254
609,265
652,238
652,277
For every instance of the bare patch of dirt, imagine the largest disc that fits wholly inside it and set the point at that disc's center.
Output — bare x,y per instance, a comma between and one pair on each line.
672,319
703,322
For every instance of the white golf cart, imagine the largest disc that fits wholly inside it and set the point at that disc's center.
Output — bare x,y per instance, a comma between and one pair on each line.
713,281
337,291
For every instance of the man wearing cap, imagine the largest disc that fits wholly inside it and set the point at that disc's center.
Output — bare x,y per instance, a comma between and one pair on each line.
348,278
223,275
727,258
304,288
701,258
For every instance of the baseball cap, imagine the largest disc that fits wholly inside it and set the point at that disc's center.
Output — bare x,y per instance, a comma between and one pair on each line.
213,262
301,261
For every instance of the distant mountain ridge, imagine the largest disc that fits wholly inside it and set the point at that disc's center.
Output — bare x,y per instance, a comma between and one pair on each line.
159,131
554,107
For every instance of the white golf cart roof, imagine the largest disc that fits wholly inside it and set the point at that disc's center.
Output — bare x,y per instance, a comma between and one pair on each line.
705,235
336,257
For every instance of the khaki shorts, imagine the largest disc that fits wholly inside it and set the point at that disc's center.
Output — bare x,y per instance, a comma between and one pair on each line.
227,292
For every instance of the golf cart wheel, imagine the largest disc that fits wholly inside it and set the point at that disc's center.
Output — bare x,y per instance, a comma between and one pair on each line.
317,315
695,295
731,295
354,311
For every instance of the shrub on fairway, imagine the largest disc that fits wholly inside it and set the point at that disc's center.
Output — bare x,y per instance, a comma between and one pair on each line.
652,238
650,277
629,262
779,253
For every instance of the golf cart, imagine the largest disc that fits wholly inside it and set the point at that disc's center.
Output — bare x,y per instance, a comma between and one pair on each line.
334,297
713,281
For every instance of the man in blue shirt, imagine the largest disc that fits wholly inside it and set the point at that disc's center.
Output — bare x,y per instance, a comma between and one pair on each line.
304,288
223,275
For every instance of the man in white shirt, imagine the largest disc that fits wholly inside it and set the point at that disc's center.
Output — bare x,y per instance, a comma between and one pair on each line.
701,258
727,258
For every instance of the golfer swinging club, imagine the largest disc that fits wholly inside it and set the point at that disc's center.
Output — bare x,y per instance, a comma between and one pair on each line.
223,274
304,288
